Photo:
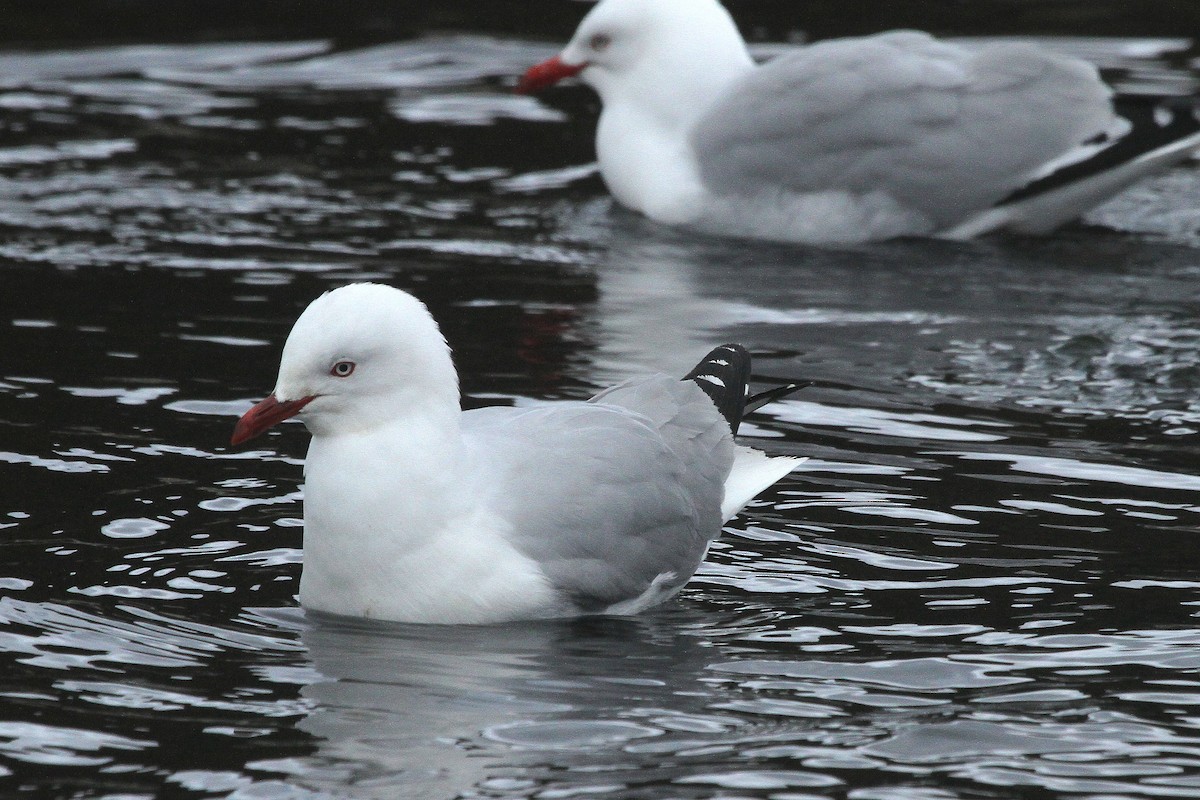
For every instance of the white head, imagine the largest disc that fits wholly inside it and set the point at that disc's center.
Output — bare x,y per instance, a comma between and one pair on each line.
360,356
629,48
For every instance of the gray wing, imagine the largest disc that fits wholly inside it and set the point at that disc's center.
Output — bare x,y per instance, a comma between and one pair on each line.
942,128
607,499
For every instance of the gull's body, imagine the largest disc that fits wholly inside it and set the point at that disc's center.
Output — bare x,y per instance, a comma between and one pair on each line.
849,139
417,511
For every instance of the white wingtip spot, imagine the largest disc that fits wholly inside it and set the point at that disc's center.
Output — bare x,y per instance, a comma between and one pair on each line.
720,361
713,379
659,590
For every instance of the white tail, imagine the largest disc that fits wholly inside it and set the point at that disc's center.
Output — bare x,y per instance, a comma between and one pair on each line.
753,471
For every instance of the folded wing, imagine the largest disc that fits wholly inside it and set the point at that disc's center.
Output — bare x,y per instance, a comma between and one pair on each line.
637,477
941,128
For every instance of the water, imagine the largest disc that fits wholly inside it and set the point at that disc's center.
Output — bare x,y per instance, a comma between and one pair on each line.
980,585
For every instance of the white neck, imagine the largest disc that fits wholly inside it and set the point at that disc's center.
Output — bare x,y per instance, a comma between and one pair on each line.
642,141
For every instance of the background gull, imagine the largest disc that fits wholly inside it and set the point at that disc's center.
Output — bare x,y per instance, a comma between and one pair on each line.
851,139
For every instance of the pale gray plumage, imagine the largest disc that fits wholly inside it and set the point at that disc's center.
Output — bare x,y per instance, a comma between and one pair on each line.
848,140
941,128
418,511
638,471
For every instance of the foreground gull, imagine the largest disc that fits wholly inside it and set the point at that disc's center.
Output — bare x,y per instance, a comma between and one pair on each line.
417,511
850,139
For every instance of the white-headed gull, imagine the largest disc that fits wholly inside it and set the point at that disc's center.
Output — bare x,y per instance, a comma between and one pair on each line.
850,139
417,511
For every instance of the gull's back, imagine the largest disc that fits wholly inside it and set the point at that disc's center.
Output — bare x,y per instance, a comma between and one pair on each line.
616,499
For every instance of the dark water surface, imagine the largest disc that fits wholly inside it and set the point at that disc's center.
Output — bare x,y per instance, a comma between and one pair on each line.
982,584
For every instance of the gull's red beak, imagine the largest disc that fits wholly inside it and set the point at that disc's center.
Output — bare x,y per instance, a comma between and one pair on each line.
547,73
265,414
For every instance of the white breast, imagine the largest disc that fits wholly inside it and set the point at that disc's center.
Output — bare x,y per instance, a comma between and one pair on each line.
468,573
395,539
646,168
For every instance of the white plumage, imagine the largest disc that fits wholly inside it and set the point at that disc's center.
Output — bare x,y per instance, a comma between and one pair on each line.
845,140
417,511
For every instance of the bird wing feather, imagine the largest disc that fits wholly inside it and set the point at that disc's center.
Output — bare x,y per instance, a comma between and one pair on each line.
637,476
939,127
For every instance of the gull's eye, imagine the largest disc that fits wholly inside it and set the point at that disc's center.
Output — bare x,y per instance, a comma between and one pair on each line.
600,42
342,369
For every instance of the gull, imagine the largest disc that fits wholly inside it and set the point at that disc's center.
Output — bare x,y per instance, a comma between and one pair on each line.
418,511
855,139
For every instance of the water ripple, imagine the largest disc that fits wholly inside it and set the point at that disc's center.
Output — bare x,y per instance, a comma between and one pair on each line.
980,580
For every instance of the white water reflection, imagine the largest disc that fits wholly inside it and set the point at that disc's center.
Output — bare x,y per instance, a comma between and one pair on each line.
1105,473
431,712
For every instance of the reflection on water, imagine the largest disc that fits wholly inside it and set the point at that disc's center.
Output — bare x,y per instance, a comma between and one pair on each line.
980,581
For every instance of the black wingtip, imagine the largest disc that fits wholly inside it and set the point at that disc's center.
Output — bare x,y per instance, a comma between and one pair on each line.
1154,123
724,373
756,401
